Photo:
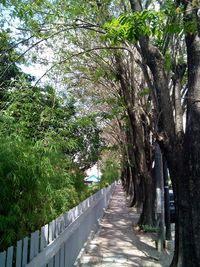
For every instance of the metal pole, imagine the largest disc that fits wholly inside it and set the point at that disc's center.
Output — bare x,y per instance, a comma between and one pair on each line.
159,197
168,235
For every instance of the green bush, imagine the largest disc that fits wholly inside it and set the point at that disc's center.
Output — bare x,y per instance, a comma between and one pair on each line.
45,147
110,173
35,187
149,228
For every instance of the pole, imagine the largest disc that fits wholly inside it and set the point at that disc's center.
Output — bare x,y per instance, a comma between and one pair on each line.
159,197
168,235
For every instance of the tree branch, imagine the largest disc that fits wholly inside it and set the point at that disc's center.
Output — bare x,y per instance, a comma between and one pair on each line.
79,54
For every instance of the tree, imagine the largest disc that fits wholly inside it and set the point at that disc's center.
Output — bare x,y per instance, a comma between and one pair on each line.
45,146
75,30
109,173
42,156
179,148
153,34
9,70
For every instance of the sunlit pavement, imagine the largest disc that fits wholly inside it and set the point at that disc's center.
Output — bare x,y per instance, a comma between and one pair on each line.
115,244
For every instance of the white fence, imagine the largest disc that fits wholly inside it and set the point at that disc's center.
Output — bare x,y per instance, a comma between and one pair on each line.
58,243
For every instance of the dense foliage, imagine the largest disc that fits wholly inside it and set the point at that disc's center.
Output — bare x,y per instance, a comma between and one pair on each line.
110,173
46,145
40,174
136,64
36,187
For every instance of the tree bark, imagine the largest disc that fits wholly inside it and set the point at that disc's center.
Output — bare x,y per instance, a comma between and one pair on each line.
140,148
181,151
188,232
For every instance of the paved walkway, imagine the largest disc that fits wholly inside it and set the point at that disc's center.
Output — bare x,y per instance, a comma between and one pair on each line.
116,244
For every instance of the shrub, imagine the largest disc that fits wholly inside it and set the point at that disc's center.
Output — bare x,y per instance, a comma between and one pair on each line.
149,228
35,187
110,173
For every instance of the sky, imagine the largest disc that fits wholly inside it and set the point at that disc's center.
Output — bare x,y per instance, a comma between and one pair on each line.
94,171
36,70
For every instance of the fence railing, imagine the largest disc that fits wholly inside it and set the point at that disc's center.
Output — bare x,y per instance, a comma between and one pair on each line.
58,243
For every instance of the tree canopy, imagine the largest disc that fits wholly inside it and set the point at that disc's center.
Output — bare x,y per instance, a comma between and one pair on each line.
131,76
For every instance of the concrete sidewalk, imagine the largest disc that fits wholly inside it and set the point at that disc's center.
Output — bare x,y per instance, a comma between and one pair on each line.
118,244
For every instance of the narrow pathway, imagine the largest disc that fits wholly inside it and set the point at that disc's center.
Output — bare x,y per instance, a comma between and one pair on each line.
116,244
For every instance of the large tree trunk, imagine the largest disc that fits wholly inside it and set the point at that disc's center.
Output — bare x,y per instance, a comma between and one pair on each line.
189,184
147,216
182,152
187,181
192,142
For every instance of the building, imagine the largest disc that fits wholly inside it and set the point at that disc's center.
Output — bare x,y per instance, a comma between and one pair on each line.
91,180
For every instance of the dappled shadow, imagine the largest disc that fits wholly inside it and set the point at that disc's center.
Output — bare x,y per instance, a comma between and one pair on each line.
116,244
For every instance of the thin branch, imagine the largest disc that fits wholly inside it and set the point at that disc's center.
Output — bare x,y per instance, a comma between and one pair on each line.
79,54
45,39
33,45
17,44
